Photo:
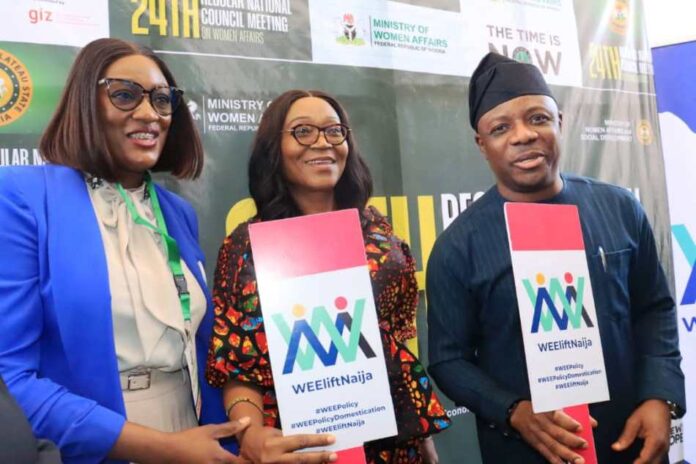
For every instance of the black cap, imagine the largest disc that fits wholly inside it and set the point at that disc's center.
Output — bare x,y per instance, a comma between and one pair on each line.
498,79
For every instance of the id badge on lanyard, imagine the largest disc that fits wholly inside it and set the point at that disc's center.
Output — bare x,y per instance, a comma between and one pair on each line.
176,268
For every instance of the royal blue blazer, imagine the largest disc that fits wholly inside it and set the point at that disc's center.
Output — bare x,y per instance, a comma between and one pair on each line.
57,351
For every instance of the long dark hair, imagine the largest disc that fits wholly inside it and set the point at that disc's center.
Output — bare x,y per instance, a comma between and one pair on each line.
74,136
268,187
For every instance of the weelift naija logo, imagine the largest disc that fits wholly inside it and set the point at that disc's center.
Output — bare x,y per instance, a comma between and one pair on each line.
556,306
311,330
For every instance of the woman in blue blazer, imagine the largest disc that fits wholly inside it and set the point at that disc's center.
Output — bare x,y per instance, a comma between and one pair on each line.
69,335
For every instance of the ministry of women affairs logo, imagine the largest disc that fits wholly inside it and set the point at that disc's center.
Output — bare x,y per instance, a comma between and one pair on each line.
351,31
15,88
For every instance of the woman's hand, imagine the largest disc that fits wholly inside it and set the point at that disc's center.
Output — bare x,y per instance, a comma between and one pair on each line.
428,451
200,444
267,445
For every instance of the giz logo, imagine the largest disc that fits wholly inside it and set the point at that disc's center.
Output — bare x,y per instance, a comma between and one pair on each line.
310,331
36,16
544,299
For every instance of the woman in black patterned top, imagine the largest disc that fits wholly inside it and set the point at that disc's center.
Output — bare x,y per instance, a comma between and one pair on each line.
305,161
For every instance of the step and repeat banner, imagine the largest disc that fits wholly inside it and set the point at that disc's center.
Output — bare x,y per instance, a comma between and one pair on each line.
675,81
402,70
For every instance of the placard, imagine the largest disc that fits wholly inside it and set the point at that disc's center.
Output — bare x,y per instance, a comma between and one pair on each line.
561,337
321,325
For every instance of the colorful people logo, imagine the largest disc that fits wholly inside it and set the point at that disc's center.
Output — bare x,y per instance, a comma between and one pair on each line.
544,299
311,331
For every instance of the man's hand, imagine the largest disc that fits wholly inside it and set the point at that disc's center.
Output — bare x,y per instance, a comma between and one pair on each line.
551,433
651,422
200,444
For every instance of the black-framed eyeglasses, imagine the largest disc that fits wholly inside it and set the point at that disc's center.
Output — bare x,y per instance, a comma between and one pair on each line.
308,134
126,95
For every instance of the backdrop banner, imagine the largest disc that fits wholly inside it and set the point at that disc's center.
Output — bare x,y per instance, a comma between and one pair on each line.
676,92
402,70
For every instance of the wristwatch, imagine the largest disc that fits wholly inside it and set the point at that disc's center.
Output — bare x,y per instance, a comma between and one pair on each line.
674,409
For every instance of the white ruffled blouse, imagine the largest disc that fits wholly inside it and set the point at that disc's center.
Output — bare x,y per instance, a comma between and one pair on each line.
147,316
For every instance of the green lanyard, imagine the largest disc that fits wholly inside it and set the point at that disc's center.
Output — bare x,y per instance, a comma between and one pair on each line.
173,255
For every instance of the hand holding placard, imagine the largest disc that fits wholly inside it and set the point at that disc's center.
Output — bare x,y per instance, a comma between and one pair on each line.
322,329
267,445
560,330
554,434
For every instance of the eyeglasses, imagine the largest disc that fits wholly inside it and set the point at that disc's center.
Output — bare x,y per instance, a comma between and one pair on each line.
308,134
127,95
